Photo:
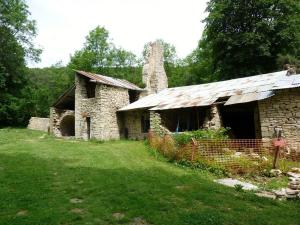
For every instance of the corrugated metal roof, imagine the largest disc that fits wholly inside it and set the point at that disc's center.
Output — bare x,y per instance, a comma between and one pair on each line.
249,97
109,80
206,94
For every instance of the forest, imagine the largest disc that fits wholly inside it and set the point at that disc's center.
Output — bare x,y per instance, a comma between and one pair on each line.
241,38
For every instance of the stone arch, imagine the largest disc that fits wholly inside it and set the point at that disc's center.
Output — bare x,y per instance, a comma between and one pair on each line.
67,126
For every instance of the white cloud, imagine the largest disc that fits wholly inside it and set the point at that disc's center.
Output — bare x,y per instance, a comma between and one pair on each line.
63,24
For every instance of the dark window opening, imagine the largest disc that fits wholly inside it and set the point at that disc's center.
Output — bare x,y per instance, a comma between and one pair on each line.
133,96
90,88
145,122
240,118
187,119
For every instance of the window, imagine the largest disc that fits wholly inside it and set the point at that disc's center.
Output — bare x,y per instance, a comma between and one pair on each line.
133,96
90,88
145,123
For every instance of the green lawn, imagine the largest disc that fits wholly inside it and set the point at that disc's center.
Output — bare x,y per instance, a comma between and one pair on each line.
117,182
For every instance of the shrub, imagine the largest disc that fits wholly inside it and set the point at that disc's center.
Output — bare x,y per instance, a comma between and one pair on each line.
186,137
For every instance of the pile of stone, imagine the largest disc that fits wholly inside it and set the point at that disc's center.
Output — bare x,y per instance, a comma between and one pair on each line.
293,189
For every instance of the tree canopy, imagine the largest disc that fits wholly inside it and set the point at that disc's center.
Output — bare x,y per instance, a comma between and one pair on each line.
100,55
16,34
247,37
241,38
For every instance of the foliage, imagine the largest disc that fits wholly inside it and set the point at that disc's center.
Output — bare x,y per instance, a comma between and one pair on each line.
40,176
186,137
44,86
204,165
16,34
244,38
238,187
101,56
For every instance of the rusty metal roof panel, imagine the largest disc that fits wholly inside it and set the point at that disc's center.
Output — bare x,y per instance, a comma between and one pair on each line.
207,94
110,81
249,97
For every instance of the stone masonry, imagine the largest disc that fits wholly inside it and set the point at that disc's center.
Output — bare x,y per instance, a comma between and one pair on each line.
213,118
154,75
133,124
56,117
156,124
37,123
102,110
282,110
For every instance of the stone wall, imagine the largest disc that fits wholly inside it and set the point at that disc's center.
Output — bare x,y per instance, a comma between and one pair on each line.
37,123
154,75
133,125
213,118
282,110
156,124
56,116
102,110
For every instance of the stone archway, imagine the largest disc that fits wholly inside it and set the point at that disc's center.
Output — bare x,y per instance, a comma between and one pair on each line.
67,126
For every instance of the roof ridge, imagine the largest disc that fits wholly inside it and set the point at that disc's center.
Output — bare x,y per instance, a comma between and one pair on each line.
112,81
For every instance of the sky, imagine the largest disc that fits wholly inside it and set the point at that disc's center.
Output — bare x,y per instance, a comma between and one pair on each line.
63,24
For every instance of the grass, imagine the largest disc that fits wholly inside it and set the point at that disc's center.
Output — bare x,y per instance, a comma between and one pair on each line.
118,182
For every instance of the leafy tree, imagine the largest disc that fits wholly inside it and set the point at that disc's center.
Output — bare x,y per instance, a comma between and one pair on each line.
247,37
44,86
16,34
199,63
100,55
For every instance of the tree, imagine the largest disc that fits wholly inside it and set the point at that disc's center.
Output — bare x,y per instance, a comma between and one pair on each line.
16,34
247,37
44,86
100,55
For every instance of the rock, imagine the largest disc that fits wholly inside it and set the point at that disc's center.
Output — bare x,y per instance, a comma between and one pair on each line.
291,196
294,182
254,156
22,213
264,158
238,154
266,194
275,172
294,179
279,193
118,216
295,170
289,191
139,221
294,187
233,182
77,211
76,200
294,175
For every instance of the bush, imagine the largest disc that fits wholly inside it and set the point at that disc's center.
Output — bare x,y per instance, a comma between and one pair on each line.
186,137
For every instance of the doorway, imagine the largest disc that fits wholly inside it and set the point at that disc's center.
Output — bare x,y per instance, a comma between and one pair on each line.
88,126
240,118
67,126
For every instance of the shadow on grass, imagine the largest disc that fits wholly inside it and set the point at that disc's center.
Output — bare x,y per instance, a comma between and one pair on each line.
42,190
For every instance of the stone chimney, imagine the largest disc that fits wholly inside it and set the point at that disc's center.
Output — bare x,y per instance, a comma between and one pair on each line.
154,75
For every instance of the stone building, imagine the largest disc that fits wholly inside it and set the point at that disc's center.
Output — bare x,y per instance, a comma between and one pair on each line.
107,108
89,108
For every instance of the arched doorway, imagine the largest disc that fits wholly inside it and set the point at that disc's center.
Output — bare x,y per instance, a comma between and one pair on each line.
67,126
